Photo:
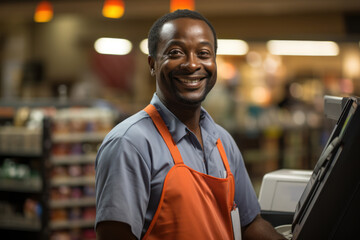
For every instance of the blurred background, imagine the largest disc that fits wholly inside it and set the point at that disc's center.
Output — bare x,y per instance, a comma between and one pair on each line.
61,91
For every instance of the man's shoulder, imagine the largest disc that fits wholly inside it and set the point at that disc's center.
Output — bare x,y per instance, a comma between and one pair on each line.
132,127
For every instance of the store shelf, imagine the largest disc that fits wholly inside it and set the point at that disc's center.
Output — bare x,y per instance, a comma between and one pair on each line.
62,152
20,141
21,154
14,185
73,159
20,223
73,181
67,203
78,137
71,224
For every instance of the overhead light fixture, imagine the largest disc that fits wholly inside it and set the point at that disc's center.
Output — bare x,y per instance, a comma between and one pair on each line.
43,12
144,46
232,47
113,8
113,46
303,48
182,4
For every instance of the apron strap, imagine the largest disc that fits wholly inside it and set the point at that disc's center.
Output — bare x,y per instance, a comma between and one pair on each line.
227,167
223,155
164,132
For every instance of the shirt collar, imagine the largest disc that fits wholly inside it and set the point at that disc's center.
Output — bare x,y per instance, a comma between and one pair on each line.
177,129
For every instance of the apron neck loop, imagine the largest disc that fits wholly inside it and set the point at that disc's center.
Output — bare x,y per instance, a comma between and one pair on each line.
164,132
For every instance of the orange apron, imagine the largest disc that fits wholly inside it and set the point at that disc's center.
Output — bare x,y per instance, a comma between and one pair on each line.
193,205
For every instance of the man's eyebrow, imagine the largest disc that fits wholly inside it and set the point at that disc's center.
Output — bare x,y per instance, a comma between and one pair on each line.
174,42
181,43
207,43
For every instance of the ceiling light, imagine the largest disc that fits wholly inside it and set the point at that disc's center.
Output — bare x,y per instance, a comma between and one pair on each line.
182,4
144,46
232,47
113,46
303,48
44,12
113,8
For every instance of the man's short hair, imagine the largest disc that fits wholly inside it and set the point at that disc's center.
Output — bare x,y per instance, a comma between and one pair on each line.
153,38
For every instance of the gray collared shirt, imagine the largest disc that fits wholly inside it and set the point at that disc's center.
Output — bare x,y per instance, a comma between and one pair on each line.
133,161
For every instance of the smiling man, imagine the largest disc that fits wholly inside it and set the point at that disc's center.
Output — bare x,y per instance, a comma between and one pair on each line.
169,171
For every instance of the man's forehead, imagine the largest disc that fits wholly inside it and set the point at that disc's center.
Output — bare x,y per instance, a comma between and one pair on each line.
168,28
171,27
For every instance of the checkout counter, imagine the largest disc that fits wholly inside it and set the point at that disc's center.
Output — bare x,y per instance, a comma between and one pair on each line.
322,203
279,194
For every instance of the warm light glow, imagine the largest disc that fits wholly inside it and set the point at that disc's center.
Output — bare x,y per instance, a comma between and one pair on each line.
351,64
182,4
232,47
113,46
144,46
260,95
113,8
44,12
303,48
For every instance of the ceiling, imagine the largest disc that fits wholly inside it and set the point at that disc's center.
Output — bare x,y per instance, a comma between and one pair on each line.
245,19
22,9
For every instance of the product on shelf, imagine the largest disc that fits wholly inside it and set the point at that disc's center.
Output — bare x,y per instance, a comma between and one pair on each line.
89,213
75,213
59,215
75,170
89,169
59,172
32,209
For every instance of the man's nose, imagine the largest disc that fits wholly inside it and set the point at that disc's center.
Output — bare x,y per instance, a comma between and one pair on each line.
192,62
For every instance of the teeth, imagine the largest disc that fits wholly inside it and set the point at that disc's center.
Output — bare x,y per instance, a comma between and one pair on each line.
191,81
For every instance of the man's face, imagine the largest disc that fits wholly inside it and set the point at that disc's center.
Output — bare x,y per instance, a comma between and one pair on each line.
185,65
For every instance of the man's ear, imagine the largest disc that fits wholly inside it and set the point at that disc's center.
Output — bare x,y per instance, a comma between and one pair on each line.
151,62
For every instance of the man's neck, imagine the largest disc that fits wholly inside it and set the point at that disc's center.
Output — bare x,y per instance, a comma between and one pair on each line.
186,113
190,116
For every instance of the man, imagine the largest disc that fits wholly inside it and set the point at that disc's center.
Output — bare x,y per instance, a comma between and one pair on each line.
170,172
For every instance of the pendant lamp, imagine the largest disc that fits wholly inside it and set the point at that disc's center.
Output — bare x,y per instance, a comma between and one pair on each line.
44,12
113,8
182,4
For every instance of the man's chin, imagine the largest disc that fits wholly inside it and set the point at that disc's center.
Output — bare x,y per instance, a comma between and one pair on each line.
194,102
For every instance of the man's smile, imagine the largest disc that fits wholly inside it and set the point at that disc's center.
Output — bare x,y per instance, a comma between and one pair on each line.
190,81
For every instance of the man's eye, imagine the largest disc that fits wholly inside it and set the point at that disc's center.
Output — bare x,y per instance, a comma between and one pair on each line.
204,54
175,52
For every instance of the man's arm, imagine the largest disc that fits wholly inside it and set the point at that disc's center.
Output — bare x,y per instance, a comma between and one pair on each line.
260,229
111,230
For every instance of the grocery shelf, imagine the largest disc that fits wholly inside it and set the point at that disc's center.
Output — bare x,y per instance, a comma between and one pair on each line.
78,202
15,185
62,152
71,224
78,137
73,181
73,159
20,223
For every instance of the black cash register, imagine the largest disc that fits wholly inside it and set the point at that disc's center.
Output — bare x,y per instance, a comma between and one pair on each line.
329,207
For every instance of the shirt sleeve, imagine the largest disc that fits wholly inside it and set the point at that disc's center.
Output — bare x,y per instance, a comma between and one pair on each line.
122,184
